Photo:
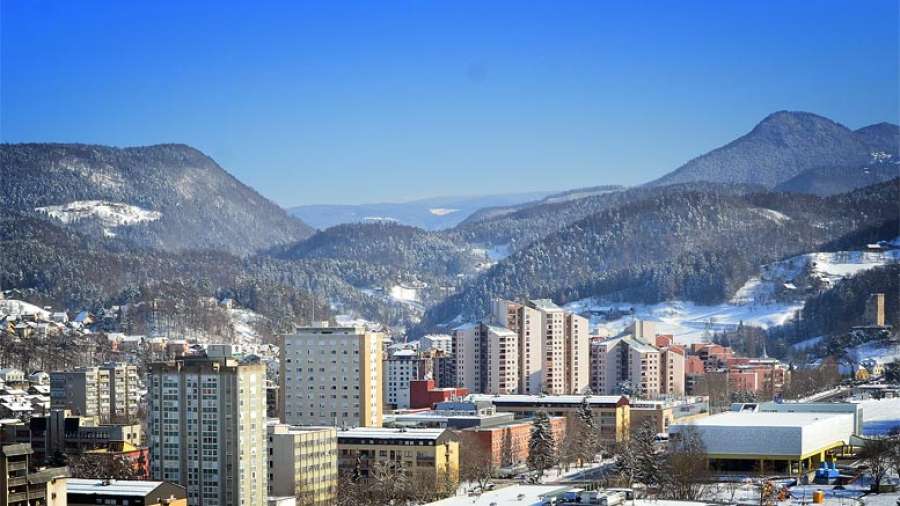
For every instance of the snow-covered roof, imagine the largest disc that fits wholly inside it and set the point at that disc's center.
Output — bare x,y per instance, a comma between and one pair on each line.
546,305
763,419
386,433
111,487
539,399
520,495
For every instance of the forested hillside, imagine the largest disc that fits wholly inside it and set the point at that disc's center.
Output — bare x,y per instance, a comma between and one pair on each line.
170,197
678,243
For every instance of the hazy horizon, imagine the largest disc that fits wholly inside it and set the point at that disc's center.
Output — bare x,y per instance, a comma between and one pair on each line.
327,104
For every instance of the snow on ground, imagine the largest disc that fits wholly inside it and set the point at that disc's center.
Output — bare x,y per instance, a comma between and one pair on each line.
879,351
242,323
829,267
20,307
441,211
883,409
689,322
882,499
108,214
754,303
808,343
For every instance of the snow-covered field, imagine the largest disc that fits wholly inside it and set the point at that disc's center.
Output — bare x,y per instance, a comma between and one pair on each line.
753,304
108,214
20,307
689,322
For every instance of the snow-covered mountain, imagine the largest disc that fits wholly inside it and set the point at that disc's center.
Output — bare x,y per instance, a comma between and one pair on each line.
431,214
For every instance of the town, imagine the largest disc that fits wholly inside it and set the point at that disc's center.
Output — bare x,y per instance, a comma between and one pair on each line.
534,404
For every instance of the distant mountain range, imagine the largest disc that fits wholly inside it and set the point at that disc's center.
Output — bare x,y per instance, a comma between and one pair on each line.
85,226
171,197
785,146
430,214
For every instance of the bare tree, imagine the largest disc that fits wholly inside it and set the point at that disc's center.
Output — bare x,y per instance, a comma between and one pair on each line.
686,473
476,463
877,454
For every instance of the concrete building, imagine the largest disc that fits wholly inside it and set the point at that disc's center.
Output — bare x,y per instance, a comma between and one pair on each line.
207,427
400,368
303,463
436,342
611,412
83,492
626,365
21,484
432,453
486,358
331,376
553,345
64,433
792,443
450,415
110,391
663,414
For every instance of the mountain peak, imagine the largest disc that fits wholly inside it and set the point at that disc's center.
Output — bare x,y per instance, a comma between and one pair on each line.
796,121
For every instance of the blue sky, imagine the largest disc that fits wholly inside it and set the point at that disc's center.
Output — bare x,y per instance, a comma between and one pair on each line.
348,102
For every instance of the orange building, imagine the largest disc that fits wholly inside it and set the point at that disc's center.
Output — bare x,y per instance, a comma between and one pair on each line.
508,443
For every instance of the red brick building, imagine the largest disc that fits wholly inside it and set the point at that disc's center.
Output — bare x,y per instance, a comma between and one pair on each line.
509,440
423,394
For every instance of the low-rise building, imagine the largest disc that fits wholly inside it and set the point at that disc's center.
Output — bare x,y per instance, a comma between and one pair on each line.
662,414
424,394
507,443
792,443
430,453
22,484
303,463
82,492
612,412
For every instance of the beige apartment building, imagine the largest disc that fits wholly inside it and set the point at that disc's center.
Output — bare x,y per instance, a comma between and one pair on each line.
486,358
433,453
207,427
628,364
303,463
331,376
22,484
110,392
553,345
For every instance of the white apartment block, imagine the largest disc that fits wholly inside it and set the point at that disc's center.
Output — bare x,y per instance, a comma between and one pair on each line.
207,428
436,342
671,372
331,376
486,358
626,363
554,345
110,392
399,369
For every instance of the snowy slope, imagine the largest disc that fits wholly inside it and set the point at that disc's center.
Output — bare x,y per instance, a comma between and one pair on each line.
768,299
108,214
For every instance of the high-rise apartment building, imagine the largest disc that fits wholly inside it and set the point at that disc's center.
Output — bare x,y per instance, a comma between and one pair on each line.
108,392
628,365
553,345
399,369
303,463
486,358
331,376
207,427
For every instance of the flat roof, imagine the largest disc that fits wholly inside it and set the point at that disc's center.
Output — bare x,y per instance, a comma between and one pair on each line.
111,487
388,433
539,399
764,419
524,495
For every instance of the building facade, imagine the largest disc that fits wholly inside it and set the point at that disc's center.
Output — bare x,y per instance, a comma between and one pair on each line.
109,392
303,463
431,453
486,358
207,428
21,484
331,376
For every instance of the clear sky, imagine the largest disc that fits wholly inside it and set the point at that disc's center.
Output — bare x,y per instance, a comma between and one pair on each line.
349,102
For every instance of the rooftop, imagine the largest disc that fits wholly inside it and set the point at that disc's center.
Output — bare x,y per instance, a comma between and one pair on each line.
535,399
545,304
386,433
764,419
111,487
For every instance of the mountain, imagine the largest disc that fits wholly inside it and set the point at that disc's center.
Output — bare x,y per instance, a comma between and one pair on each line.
171,197
673,243
493,212
430,214
784,145
840,179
